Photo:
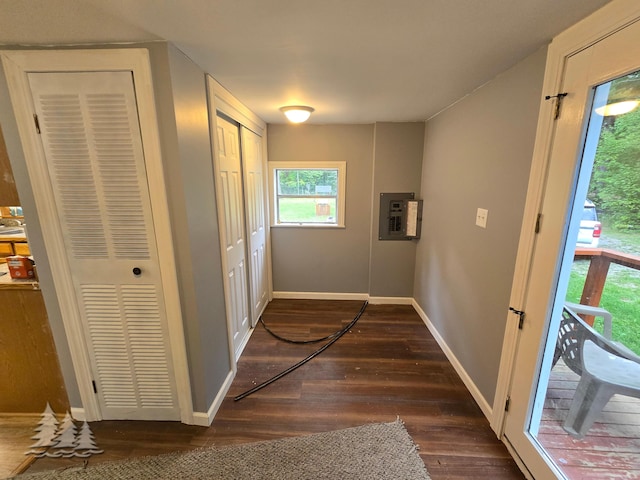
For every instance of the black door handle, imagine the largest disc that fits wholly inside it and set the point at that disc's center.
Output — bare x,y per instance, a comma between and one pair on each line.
137,271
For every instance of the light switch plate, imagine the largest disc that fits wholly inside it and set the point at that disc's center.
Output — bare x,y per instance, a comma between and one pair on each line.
481,217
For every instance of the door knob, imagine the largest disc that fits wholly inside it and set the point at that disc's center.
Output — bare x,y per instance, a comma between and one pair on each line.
137,271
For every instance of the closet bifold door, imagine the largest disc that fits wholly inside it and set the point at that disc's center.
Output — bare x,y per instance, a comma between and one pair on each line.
230,183
254,181
91,140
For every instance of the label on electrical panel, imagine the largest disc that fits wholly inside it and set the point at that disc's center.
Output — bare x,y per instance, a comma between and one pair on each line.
412,218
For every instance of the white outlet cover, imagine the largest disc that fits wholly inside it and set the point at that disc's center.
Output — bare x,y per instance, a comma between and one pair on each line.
481,217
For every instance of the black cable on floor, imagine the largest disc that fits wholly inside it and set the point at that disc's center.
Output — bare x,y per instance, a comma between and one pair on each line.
307,359
296,342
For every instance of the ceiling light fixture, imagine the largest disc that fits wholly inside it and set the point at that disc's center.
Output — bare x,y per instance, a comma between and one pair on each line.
297,113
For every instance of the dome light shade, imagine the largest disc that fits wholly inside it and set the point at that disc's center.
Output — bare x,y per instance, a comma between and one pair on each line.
618,108
297,113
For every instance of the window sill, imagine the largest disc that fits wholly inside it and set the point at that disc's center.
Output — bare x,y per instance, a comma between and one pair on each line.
306,225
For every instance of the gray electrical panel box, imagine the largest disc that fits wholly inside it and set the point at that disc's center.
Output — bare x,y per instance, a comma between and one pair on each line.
400,216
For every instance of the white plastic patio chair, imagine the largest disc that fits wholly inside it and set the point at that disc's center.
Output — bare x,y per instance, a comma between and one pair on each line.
605,368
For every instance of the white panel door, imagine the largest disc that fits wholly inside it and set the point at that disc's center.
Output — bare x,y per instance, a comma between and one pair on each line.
230,182
91,141
252,161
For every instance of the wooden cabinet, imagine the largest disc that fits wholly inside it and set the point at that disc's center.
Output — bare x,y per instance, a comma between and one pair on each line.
6,249
21,248
29,366
13,245
8,191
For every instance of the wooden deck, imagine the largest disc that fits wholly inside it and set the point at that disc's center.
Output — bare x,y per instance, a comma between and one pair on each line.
611,448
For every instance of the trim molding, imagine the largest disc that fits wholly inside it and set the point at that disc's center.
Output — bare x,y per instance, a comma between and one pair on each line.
226,103
320,296
391,300
344,296
77,413
523,468
205,419
466,379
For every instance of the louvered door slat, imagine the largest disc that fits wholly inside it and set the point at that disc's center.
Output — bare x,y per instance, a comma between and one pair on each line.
69,159
140,304
114,147
108,336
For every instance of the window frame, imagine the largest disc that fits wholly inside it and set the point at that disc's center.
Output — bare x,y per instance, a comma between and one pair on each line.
340,167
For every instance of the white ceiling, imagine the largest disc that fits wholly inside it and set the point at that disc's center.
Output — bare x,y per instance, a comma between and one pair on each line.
354,61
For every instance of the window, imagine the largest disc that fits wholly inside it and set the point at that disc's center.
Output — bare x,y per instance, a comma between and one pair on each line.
308,193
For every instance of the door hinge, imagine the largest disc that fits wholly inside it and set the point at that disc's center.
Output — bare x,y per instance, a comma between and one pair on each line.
558,98
95,389
37,122
507,402
538,223
520,314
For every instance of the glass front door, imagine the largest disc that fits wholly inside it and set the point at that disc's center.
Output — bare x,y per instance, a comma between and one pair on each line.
581,353
587,413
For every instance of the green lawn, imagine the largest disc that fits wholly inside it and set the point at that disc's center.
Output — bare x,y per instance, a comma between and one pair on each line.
621,295
307,210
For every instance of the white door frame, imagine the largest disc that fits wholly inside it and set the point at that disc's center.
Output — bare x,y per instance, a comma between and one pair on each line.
609,19
16,65
222,101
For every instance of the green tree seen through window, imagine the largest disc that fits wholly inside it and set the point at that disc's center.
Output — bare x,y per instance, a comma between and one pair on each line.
615,183
305,182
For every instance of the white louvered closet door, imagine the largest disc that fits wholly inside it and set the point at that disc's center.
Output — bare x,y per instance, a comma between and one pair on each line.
94,153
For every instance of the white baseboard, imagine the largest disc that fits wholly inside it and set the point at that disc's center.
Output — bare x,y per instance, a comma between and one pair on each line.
391,300
320,296
199,418
344,296
78,414
242,346
466,379
205,419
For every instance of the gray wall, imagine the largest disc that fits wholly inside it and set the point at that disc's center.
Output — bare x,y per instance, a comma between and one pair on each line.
190,186
385,157
326,259
398,149
181,103
477,154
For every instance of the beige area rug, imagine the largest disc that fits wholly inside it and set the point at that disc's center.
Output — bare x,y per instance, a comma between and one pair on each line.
380,451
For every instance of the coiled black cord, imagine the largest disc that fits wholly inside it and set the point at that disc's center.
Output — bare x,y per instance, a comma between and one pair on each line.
335,337
296,342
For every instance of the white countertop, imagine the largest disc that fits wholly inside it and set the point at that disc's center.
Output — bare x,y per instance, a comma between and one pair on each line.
10,233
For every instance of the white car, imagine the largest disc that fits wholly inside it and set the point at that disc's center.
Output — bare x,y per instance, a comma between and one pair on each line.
590,227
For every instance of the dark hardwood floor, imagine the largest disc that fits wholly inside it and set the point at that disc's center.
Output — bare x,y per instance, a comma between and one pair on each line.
387,366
